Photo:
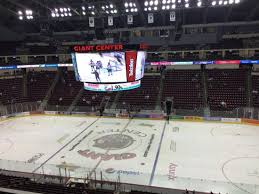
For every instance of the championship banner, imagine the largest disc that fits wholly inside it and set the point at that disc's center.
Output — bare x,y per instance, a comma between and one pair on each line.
91,22
150,18
110,21
131,58
130,19
172,16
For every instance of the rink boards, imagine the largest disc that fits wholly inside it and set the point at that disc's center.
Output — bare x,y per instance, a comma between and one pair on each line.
181,155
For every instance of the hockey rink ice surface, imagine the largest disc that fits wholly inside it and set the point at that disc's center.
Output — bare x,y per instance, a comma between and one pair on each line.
181,155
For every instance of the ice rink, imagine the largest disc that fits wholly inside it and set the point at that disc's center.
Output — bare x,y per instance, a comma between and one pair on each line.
181,155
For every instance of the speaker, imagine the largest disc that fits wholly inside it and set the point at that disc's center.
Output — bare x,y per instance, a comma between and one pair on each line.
99,33
168,107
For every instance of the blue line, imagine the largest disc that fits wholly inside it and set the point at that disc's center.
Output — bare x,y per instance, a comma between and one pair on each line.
157,155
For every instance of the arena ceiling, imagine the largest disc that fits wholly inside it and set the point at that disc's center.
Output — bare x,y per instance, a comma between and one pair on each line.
31,16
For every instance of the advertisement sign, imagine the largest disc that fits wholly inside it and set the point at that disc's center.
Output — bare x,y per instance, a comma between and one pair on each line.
172,63
250,121
212,118
231,120
131,58
249,62
227,62
203,62
112,87
193,118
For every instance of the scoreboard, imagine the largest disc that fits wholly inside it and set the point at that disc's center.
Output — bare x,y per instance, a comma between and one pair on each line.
109,67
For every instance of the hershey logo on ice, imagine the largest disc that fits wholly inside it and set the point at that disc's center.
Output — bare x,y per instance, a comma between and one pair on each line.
131,67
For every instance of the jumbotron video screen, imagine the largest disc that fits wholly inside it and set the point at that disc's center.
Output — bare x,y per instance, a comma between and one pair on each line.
109,67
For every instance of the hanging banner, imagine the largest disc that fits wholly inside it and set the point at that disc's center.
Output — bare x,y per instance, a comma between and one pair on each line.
110,21
172,16
150,18
91,22
130,19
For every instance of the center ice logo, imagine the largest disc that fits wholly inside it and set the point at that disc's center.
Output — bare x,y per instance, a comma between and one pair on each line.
113,142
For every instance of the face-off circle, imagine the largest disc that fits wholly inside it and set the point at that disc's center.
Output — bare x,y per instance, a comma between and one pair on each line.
242,170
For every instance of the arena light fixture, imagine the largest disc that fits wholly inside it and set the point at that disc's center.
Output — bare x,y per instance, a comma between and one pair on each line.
168,4
130,6
224,2
199,3
110,8
62,12
26,14
153,5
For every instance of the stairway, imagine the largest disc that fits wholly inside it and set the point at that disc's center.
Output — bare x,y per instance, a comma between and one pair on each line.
74,103
113,106
160,94
204,81
249,98
49,93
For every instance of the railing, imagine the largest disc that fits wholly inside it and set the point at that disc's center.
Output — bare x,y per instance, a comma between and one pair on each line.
245,112
19,107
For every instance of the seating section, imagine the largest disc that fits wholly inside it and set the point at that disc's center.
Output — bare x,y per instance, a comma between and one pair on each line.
255,90
26,184
38,83
226,89
143,97
66,90
11,91
184,86
93,100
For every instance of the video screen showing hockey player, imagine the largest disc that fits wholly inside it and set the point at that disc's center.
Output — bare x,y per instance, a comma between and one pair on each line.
140,66
101,67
